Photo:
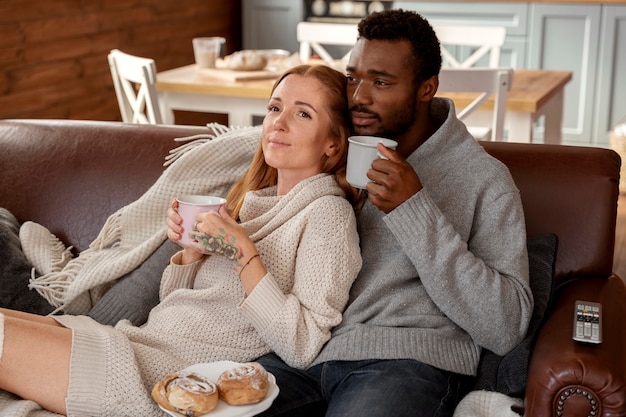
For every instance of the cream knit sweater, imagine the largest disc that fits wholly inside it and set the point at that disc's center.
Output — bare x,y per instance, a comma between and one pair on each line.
308,242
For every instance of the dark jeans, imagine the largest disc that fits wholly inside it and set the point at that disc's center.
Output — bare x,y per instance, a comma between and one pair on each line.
365,388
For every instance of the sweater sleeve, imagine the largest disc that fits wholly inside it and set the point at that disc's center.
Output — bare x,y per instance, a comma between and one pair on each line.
297,324
177,276
479,281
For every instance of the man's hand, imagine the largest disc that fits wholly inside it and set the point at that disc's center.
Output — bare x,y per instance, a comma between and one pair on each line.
393,180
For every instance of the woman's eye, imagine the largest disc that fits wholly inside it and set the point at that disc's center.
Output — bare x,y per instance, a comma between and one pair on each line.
304,114
272,108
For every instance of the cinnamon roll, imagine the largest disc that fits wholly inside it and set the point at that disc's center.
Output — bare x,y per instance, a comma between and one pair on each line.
244,384
186,393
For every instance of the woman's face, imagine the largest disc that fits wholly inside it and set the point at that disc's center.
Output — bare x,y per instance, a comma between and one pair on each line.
296,134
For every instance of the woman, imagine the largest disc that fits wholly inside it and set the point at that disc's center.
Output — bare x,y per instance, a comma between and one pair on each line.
298,256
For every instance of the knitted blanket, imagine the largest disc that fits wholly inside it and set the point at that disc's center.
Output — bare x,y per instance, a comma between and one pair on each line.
206,164
489,404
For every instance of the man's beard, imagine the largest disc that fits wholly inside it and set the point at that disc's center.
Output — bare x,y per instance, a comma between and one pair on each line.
396,125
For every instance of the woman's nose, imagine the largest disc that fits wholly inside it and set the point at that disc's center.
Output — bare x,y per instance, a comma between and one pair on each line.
280,122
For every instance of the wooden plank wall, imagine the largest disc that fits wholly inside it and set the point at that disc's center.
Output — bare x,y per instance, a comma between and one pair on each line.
53,53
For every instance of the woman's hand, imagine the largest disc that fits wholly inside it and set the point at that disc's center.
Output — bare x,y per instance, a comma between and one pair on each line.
174,233
174,223
218,234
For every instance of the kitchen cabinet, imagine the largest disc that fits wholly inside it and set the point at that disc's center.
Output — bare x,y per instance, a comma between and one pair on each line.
610,105
512,16
567,37
271,24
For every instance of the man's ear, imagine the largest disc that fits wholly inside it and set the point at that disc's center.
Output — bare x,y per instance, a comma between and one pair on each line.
428,88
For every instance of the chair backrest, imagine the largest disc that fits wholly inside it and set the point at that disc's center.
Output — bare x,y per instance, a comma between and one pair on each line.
312,36
486,40
134,79
486,82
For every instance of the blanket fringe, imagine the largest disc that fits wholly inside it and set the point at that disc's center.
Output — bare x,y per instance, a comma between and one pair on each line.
110,234
64,257
196,140
52,286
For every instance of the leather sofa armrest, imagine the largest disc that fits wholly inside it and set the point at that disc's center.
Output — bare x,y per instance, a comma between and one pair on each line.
567,378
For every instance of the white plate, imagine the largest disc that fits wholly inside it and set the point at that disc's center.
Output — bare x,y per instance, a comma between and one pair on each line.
212,371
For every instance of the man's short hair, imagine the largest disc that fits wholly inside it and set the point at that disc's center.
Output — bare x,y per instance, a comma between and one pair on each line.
397,25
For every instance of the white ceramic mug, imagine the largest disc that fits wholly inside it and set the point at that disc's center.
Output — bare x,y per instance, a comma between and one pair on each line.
361,153
189,206
207,50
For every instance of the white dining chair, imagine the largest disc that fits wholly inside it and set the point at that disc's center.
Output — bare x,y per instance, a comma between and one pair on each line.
486,82
482,41
314,36
134,79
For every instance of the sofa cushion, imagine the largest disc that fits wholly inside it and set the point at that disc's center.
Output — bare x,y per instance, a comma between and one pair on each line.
507,374
133,296
15,271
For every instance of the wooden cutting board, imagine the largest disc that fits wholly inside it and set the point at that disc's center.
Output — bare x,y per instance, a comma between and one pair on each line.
234,76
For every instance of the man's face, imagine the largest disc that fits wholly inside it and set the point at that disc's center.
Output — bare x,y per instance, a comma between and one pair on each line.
381,92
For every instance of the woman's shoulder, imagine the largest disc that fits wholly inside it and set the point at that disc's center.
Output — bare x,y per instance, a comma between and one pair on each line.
332,210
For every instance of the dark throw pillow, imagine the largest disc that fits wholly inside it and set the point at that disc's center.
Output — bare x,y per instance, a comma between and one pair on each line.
136,293
508,374
15,271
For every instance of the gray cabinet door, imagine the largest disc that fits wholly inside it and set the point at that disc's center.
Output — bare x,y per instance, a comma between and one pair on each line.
271,24
566,37
512,16
610,105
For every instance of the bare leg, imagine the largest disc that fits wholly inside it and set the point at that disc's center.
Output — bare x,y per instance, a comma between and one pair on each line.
35,359
30,317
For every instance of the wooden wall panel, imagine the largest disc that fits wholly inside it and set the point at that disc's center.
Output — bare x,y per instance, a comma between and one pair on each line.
53,60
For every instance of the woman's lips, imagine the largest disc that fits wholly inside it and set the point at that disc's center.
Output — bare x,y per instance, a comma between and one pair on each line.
277,144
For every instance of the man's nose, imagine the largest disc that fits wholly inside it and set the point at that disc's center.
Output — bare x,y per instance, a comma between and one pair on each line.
361,94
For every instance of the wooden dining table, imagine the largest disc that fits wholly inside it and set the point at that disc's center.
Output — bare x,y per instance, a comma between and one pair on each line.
533,94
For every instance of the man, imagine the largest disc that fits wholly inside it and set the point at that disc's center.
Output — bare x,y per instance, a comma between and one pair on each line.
445,267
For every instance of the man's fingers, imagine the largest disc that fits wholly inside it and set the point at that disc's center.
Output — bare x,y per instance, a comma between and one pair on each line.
388,153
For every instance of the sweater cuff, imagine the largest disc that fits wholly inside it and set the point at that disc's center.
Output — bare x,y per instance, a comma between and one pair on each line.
178,276
263,303
413,217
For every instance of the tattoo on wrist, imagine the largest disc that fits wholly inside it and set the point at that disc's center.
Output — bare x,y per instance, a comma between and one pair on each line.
221,244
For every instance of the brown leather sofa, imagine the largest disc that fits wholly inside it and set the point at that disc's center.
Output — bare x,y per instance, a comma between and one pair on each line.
71,175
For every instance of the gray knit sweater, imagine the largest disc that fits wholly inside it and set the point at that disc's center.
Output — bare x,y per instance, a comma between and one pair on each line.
445,272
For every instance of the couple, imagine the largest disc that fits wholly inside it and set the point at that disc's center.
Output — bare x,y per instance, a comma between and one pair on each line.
442,236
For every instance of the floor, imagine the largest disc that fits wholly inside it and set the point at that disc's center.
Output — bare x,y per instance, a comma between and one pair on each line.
619,262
